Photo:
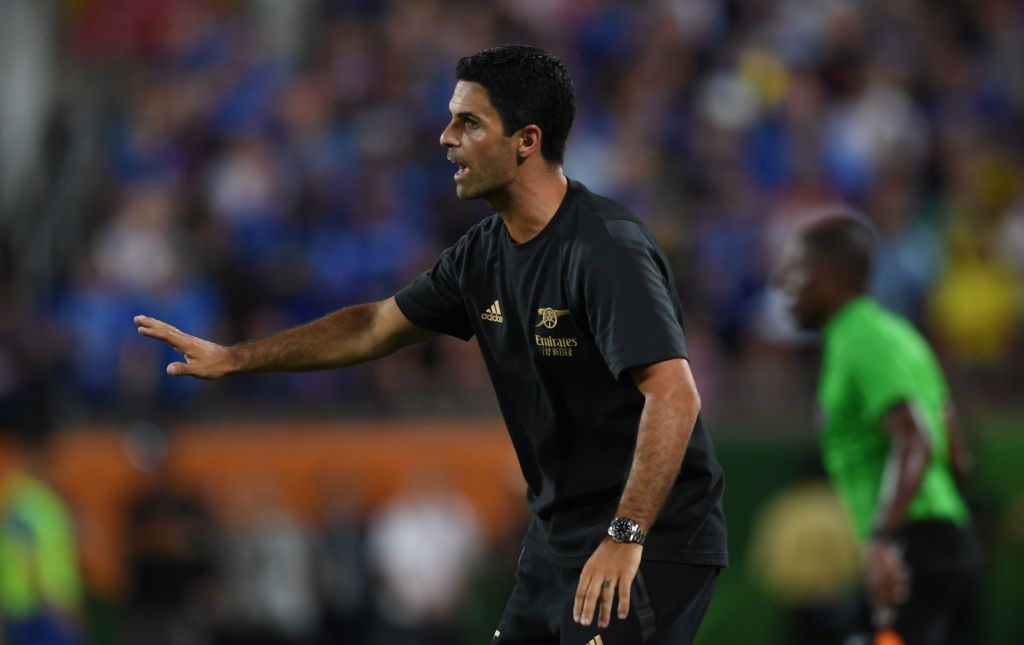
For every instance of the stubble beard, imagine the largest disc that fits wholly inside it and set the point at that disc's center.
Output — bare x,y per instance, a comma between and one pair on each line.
481,190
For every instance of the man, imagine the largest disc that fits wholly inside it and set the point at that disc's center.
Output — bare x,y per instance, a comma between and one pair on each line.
578,321
887,444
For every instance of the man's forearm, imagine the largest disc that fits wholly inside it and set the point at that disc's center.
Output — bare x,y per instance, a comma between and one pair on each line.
959,456
344,337
909,456
665,428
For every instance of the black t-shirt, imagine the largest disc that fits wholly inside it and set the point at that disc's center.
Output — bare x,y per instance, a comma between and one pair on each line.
559,319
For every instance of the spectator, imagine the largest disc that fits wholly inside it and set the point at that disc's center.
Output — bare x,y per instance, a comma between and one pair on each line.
420,592
341,565
171,535
40,584
269,582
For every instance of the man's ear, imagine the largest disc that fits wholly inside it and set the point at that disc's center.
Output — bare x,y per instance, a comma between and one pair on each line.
528,141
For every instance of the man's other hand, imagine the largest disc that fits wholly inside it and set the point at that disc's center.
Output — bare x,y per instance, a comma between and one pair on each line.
886,575
611,569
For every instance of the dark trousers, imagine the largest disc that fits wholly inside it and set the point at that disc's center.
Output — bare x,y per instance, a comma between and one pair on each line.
667,605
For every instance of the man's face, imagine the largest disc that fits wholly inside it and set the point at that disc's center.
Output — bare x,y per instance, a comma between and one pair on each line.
804,282
476,142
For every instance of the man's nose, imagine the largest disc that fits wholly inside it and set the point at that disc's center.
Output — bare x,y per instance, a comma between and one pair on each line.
448,139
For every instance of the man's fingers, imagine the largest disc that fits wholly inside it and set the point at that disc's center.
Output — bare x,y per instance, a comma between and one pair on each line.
150,324
581,593
901,587
590,602
892,590
177,369
900,581
624,588
155,328
160,330
590,599
607,594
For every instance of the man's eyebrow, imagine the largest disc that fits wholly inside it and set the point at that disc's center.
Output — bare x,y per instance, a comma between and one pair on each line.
467,115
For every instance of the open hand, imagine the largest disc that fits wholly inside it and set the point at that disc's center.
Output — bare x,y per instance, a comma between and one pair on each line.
612,568
203,359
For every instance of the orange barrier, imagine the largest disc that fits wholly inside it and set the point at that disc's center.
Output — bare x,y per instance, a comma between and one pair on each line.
304,463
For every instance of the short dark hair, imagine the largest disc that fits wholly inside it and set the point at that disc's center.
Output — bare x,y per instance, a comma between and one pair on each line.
846,241
526,85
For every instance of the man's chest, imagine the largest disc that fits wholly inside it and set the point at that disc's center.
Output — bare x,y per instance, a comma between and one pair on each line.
529,309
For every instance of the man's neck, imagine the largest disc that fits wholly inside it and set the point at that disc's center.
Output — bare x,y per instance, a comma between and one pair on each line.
529,203
840,304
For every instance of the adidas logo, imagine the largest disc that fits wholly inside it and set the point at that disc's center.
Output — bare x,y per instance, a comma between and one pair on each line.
597,640
493,313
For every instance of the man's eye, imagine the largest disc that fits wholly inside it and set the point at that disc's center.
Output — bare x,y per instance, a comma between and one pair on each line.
471,124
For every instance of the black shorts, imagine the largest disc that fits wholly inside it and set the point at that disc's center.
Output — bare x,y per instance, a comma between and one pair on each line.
667,604
941,608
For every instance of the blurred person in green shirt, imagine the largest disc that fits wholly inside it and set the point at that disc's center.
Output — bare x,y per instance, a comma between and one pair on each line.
40,585
888,439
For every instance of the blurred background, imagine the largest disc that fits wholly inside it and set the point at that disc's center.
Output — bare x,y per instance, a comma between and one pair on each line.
238,166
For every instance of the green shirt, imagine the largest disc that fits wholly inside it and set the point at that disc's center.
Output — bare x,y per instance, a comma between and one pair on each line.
874,360
38,560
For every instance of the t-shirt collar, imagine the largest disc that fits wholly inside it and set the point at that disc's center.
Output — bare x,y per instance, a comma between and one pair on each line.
846,312
572,188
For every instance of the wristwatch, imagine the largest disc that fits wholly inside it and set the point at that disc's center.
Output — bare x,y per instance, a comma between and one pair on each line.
625,531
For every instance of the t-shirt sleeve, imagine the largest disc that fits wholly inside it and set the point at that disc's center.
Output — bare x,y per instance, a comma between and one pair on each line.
628,297
434,299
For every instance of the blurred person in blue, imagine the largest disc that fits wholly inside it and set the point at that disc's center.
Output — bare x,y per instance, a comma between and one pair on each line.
40,582
578,319
890,440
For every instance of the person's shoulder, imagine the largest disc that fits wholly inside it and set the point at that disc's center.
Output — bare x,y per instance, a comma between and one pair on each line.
484,230
37,495
876,334
889,328
603,222
478,237
906,340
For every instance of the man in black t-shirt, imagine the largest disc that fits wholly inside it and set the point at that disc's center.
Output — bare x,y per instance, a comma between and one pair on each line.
577,318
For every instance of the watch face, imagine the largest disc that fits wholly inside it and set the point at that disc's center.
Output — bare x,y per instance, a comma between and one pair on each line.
621,529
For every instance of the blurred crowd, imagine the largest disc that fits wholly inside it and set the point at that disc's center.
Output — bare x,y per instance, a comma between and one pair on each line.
260,163
257,574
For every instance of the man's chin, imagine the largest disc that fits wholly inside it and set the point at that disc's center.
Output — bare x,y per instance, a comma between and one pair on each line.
465,192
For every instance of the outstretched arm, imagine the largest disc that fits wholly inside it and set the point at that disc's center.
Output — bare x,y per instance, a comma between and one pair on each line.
345,337
671,406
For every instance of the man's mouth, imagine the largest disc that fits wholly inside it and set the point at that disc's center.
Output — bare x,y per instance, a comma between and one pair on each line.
462,168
